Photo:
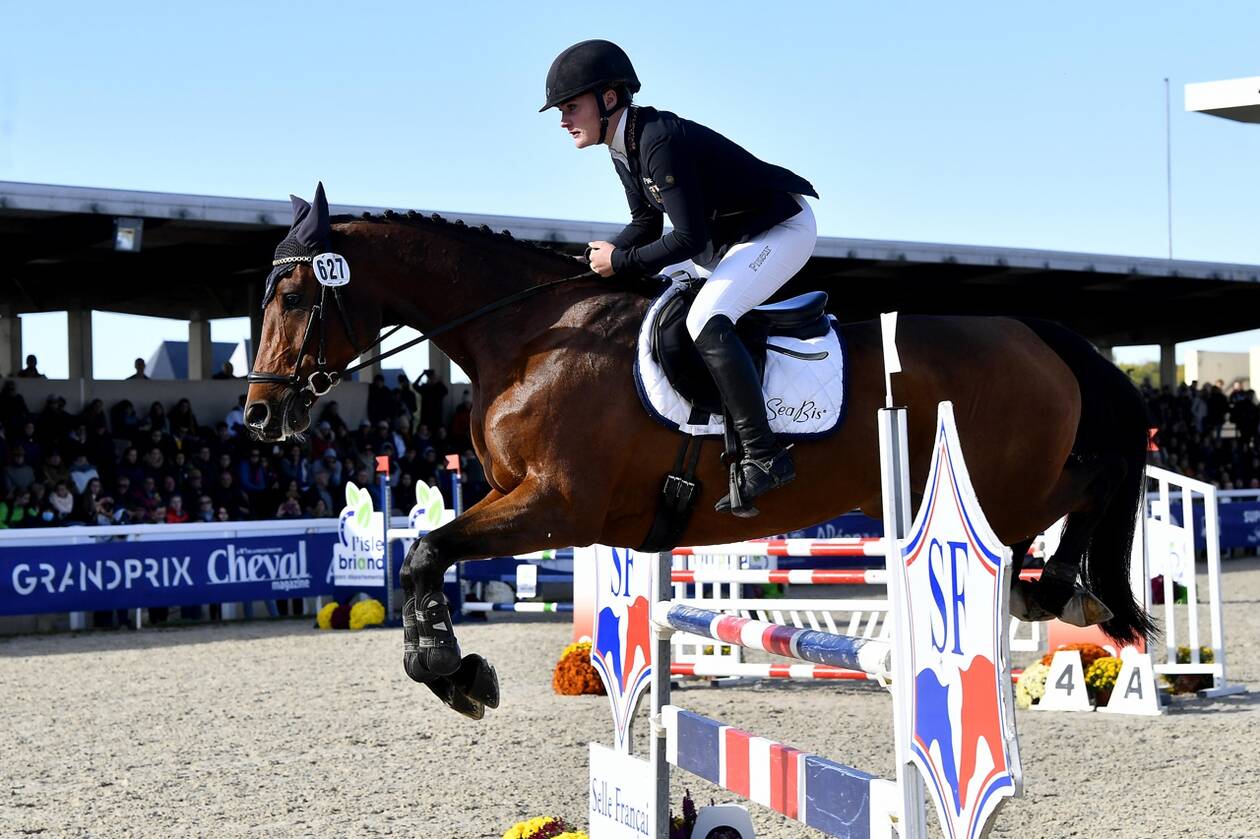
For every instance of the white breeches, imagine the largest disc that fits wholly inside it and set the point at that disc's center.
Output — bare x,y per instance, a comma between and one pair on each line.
752,271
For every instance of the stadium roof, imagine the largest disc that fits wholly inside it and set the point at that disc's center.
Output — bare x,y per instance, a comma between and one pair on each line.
1236,99
208,255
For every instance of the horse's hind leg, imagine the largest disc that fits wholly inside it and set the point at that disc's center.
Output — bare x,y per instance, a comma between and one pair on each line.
1059,594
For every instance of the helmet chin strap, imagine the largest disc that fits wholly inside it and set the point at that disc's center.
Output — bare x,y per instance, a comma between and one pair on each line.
604,114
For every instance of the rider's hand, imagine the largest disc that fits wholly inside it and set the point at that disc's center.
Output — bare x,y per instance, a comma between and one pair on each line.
601,258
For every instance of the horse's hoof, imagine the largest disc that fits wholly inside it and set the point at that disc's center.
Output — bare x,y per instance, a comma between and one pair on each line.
1024,605
445,690
471,689
1084,609
477,679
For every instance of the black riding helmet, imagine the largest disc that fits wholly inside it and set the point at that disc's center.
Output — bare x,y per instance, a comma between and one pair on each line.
590,66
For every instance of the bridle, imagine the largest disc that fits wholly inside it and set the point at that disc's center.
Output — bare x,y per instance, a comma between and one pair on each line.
322,379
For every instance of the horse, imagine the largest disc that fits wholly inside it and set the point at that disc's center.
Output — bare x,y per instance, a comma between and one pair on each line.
1050,428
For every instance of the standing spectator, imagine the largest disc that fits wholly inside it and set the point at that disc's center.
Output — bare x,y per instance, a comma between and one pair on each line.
407,398
461,422
1217,409
30,371
432,398
332,415
473,477
380,402
235,418
226,372
54,422
139,374
13,410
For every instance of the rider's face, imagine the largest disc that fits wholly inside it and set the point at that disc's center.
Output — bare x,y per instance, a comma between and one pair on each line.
580,117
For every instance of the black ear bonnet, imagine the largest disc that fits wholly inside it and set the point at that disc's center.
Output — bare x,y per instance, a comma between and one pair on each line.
307,237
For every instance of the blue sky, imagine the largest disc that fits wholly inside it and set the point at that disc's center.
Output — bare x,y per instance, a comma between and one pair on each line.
995,124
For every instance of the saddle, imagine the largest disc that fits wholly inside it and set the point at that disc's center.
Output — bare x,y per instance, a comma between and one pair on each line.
672,348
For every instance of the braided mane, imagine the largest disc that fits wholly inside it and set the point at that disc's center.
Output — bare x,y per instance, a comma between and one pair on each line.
412,218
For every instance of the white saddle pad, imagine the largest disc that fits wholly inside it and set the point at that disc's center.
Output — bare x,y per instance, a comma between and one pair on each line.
804,396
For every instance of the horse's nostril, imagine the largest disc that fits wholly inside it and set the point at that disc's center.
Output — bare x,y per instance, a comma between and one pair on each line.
256,414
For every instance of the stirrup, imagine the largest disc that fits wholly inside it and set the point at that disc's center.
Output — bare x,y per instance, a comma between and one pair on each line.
751,478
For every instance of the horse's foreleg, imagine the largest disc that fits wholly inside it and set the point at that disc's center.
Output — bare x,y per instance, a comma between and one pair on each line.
526,518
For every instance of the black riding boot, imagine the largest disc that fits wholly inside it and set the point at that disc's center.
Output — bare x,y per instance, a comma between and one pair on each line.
765,464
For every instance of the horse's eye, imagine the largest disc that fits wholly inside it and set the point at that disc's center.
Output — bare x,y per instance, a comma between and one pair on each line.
292,301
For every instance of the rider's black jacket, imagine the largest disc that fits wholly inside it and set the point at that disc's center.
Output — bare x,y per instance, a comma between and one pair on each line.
716,193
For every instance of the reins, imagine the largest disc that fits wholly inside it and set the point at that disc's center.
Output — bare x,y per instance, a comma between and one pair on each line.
323,380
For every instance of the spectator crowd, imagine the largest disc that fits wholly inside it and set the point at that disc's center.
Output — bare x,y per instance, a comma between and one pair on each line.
118,465
1207,431
121,465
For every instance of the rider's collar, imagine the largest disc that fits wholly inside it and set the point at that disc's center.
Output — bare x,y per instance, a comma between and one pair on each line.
617,148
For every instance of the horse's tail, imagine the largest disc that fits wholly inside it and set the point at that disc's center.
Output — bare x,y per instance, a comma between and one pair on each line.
1114,423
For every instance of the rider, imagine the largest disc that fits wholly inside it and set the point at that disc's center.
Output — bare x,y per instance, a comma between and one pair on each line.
738,222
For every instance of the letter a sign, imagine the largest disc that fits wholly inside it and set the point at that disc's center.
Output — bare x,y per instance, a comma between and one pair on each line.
956,575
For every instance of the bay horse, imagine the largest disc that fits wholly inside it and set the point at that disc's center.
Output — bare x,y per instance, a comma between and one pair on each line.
1050,428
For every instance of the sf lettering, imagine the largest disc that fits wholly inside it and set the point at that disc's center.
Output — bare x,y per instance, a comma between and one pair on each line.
947,572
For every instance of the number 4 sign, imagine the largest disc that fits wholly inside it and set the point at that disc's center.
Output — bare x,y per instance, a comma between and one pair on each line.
1065,684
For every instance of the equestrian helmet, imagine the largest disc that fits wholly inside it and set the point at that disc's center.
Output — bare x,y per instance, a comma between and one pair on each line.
588,66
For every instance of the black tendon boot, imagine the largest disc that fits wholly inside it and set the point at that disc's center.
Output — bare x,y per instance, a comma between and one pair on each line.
764,465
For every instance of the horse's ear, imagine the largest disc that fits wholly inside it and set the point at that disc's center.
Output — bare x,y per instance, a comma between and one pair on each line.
321,212
312,228
300,211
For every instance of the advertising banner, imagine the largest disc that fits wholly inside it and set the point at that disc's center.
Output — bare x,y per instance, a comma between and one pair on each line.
128,575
